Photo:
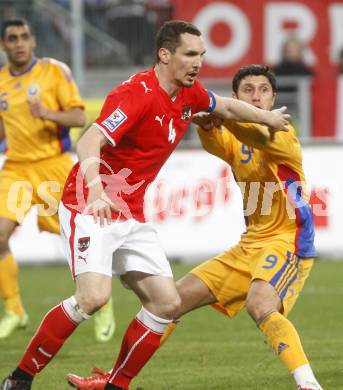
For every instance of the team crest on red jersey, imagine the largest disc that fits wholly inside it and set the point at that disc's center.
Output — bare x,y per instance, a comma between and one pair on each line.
83,243
186,113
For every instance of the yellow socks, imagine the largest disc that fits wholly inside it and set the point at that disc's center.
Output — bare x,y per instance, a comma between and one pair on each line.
284,339
9,289
167,332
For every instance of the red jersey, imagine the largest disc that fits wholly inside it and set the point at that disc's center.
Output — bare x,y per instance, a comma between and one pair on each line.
143,126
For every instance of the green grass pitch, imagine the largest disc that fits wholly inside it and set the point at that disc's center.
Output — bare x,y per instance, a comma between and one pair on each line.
206,352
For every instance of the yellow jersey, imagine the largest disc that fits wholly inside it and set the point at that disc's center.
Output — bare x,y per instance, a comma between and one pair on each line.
28,138
272,182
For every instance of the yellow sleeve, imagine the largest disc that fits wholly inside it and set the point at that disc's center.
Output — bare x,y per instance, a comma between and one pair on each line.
218,142
68,95
284,147
251,134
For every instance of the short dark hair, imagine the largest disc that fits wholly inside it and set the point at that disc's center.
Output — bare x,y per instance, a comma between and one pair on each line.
168,35
253,70
18,22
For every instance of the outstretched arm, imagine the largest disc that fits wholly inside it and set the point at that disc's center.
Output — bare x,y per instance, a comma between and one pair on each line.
237,110
252,134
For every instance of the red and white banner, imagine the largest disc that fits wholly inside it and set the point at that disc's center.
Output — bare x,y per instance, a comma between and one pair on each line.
239,32
197,208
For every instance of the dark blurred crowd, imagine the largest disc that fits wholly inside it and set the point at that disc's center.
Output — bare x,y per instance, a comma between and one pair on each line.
130,24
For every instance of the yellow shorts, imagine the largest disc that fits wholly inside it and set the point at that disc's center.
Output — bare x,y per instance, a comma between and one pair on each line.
39,183
230,274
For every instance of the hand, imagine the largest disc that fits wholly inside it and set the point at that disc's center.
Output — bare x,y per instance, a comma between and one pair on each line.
278,120
99,205
207,121
37,109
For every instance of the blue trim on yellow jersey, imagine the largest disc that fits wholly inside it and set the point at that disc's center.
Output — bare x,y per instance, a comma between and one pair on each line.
65,141
286,276
305,237
27,70
284,292
304,240
3,146
275,279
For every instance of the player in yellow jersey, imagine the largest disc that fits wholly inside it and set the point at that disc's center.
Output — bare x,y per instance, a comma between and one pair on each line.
267,269
39,102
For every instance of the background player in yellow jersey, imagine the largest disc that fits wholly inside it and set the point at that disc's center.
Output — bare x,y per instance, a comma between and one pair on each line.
39,102
267,269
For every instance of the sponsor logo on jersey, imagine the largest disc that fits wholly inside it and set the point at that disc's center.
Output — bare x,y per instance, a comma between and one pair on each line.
159,119
186,113
83,243
33,90
114,120
146,88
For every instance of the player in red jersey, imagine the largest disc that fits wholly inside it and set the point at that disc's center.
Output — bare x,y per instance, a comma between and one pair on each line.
102,217
266,271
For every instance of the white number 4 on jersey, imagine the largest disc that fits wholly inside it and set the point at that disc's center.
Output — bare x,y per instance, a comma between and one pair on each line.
172,132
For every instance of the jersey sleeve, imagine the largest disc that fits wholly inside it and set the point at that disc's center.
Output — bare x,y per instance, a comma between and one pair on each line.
251,134
218,142
204,99
68,95
122,111
285,147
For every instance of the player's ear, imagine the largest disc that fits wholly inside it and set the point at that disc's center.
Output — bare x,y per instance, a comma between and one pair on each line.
234,95
164,55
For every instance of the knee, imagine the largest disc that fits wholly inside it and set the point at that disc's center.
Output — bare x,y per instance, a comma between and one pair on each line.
262,299
255,308
174,307
169,309
258,308
91,301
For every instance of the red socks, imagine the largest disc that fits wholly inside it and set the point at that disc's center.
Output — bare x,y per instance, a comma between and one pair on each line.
140,342
55,328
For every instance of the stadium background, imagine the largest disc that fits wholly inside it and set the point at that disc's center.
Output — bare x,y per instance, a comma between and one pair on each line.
194,203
